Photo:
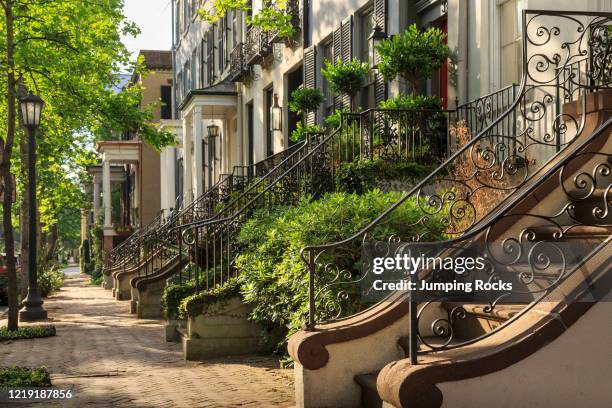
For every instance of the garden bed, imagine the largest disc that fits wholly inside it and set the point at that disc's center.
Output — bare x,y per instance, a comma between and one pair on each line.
21,377
26,332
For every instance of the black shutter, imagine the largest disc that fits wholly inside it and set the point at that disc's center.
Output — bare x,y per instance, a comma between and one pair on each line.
310,78
380,19
347,51
337,54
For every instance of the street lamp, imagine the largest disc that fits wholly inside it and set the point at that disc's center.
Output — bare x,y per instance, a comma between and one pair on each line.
375,39
31,107
276,115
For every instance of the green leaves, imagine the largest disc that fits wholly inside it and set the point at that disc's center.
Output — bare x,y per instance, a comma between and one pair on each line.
304,100
274,277
412,55
345,77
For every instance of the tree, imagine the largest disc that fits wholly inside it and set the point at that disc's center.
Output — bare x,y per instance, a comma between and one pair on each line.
412,55
70,53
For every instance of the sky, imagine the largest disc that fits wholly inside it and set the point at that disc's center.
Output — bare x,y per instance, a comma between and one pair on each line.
154,19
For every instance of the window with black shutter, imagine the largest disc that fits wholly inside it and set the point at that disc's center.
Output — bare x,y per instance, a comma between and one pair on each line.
221,44
310,78
210,53
203,73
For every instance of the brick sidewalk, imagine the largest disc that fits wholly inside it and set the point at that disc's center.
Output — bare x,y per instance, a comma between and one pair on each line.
115,360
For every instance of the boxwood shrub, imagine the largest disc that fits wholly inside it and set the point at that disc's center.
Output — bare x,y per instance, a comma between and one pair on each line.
363,175
274,277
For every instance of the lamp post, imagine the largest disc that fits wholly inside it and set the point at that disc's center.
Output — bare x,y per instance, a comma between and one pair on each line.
31,107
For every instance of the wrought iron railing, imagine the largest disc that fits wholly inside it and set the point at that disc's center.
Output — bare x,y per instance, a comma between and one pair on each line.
162,245
310,172
238,68
465,192
256,47
481,112
121,254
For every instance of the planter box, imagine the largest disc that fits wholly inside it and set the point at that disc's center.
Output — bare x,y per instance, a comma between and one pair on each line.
223,330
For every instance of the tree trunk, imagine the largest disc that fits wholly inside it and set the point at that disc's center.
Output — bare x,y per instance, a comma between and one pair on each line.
5,170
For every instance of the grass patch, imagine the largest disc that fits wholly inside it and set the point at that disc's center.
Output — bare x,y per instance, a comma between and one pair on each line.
18,377
26,332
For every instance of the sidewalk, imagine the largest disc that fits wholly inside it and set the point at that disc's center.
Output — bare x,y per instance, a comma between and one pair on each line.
115,360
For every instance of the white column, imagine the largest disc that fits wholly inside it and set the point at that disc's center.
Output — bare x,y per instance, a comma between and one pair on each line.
106,187
96,198
198,134
187,165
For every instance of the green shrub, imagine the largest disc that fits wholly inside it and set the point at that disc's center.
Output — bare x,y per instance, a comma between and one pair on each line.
345,77
304,100
21,377
363,175
300,132
274,277
174,294
409,101
334,120
412,55
50,277
199,303
26,332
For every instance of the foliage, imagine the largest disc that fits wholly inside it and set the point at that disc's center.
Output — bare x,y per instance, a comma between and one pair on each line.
71,54
345,77
274,276
21,377
334,120
173,295
26,332
361,176
300,132
304,100
199,303
412,55
50,276
97,237
274,19
220,8
411,101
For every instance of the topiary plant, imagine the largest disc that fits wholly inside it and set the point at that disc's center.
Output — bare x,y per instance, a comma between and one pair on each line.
412,55
345,77
304,100
410,101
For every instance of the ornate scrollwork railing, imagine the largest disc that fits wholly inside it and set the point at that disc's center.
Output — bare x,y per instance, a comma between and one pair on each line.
416,135
238,66
256,47
163,244
558,50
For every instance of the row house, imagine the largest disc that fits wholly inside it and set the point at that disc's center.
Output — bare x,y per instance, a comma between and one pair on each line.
228,75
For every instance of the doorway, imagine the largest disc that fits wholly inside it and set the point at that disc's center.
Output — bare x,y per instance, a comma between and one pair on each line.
294,81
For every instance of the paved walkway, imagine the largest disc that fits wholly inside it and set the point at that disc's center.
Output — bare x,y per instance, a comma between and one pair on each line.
115,360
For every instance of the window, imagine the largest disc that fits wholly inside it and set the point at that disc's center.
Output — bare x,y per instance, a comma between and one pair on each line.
210,55
186,78
203,73
510,42
178,21
179,87
221,44
166,99
327,54
194,69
